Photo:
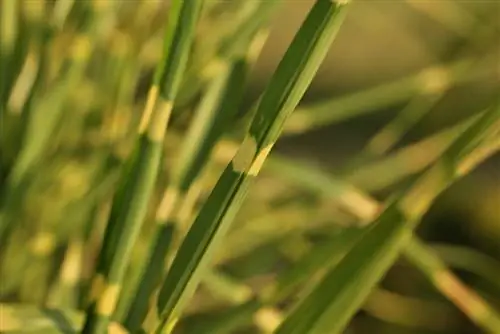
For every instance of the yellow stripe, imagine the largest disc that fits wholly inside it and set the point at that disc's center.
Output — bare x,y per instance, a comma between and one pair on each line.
43,244
72,264
148,109
116,328
256,165
167,204
465,299
9,321
247,160
421,196
107,303
98,285
435,80
157,127
245,155
81,48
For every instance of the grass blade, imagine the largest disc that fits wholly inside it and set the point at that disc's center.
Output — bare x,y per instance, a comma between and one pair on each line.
378,98
468,259
451,287
131,199
343,289
215,111
408,161
233,45
287,86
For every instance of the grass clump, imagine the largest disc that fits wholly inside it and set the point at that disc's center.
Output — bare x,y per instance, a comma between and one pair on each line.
140,191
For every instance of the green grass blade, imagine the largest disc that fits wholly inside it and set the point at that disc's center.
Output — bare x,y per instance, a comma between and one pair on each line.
287,86
385,172
384,140
131,200
233,45
225,322
378,98
325,254
341,292
129,209
215,111
44,120
451,287
471,260
319,182
149,279
177,54
266,229
419,106
40,123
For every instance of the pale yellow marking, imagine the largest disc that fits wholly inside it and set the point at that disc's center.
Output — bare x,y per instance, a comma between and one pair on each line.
479,155
298,122
9,321
380,143
101,5
268,319
225,151
169,328
23,84
107,302
398,309
98,285
188,203
74,180
81,48
215,66
341,2
72,266
435,80
257,45
159,121
464,298
420,197
34,10
43,243
242,294
116,328
245,155
167,204
148,109
362,206
256,165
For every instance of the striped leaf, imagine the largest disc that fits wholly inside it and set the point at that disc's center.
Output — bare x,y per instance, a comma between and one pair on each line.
285,90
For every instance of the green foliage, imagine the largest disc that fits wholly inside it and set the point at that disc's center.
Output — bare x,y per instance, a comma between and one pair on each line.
139,193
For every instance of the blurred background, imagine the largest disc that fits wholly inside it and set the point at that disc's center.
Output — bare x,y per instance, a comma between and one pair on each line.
439,61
